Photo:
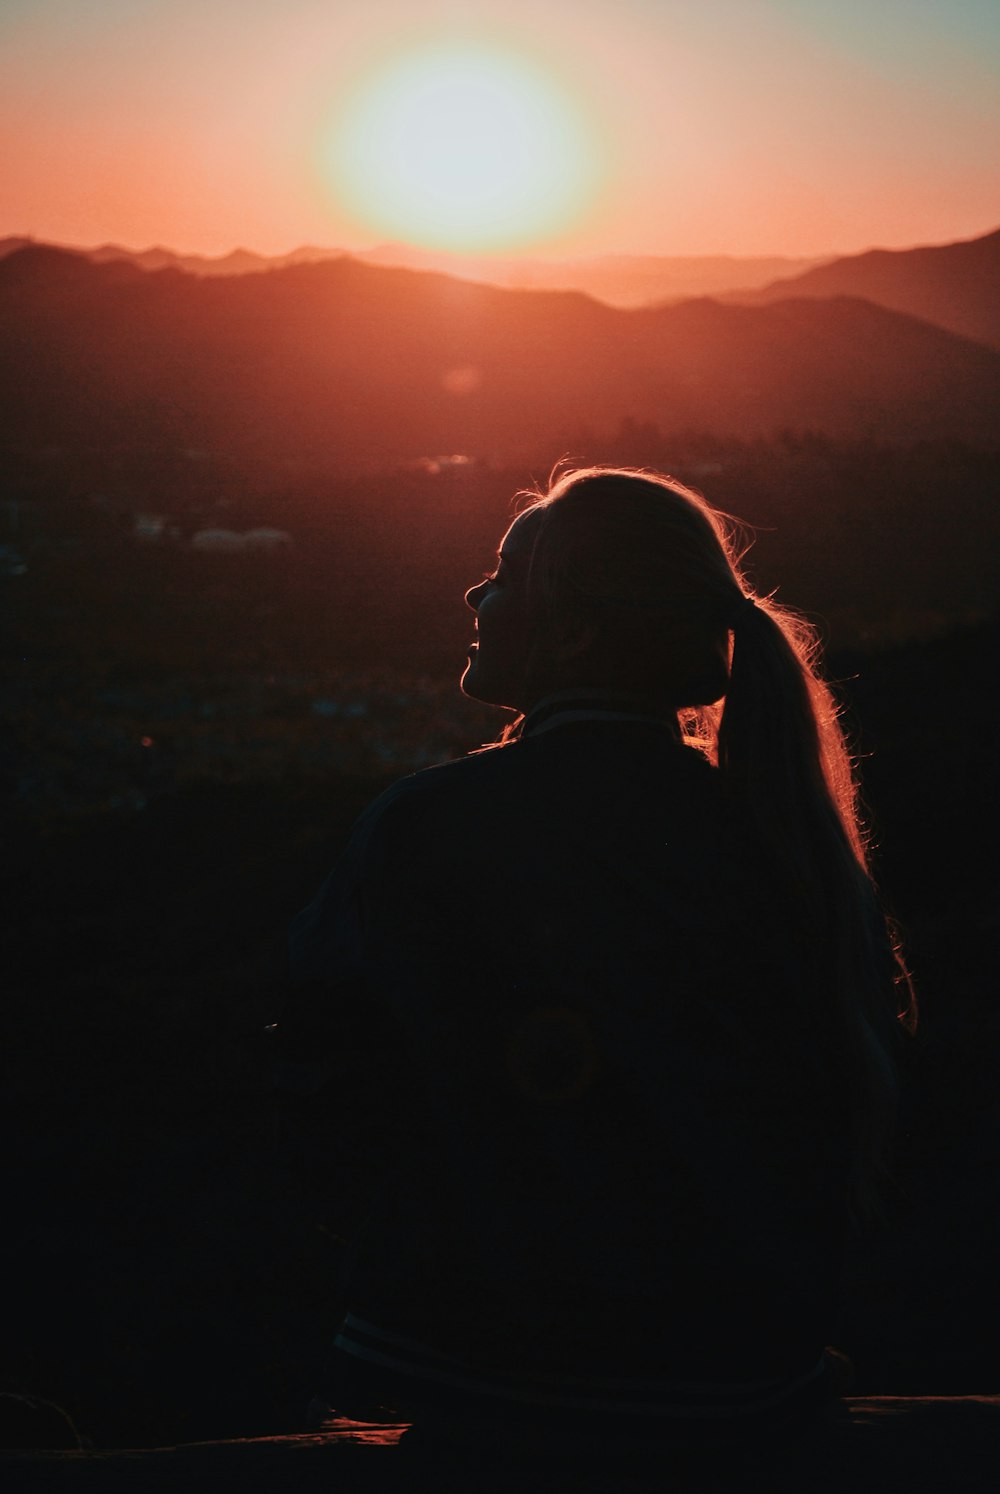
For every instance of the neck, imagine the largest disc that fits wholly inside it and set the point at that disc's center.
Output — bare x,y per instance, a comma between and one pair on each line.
596,704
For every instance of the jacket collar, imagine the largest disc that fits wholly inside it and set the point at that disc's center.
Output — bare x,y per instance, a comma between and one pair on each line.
568,706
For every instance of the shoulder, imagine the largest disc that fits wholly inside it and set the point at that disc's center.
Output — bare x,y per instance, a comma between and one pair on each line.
442,793
590,789
548,767
458,780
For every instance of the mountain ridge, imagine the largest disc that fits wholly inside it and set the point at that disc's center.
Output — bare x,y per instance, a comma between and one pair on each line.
618,279
346,361
955,285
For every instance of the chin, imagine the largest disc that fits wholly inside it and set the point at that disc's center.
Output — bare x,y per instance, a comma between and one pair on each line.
470,686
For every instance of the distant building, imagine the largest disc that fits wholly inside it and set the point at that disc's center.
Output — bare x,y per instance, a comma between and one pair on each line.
220,541
231,542
267,539
149,527
434,466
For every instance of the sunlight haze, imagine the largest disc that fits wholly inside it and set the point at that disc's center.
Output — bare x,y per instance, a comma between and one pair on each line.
461,146
741,127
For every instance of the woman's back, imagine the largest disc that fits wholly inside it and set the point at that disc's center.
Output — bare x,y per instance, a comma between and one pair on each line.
615,1152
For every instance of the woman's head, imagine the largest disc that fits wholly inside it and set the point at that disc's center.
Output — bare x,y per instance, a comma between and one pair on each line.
614,579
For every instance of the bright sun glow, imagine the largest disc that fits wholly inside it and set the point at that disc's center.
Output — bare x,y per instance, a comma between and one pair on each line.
463,147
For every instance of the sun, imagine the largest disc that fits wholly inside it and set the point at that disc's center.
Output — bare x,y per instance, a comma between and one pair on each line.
464,147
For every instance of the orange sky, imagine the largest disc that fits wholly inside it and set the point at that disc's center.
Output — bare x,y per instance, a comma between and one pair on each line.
732,126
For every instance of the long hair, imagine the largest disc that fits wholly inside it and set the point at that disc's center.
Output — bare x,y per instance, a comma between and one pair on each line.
653,571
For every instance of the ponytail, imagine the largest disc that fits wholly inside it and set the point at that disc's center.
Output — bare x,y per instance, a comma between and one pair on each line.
785,761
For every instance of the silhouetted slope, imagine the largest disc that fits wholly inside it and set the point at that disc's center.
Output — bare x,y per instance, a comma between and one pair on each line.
13,242
236,262
842,366
618,279
345,362
956,286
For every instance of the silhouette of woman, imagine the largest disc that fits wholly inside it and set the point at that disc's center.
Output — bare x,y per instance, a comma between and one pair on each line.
610,1009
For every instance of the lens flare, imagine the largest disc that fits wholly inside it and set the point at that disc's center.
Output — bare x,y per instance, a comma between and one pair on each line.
463,147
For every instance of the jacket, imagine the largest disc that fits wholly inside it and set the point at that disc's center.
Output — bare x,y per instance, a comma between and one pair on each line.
587,1115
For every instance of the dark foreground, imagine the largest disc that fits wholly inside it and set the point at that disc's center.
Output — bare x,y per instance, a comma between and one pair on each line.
924,1445
171,1273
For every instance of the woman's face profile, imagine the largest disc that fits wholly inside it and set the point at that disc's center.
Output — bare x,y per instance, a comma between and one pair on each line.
495,673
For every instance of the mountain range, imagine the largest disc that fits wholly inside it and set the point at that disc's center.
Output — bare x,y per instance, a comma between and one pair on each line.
955,285
338,361
617,279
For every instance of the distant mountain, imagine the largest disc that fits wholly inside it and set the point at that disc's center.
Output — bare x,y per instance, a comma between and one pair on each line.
617,279
13,243
345,363
236,262
624,280
956,286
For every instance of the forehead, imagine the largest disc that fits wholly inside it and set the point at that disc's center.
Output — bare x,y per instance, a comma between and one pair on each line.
519,540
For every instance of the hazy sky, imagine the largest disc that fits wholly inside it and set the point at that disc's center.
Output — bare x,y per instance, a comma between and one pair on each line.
662,126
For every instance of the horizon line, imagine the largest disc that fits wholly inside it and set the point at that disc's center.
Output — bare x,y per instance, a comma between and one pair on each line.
469,257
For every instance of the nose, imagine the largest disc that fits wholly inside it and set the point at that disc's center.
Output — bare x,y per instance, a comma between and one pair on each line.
474,595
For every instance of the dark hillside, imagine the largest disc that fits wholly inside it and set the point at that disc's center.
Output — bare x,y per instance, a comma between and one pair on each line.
956,286
350,365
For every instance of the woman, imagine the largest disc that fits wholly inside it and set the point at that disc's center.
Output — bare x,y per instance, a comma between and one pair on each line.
611,1009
